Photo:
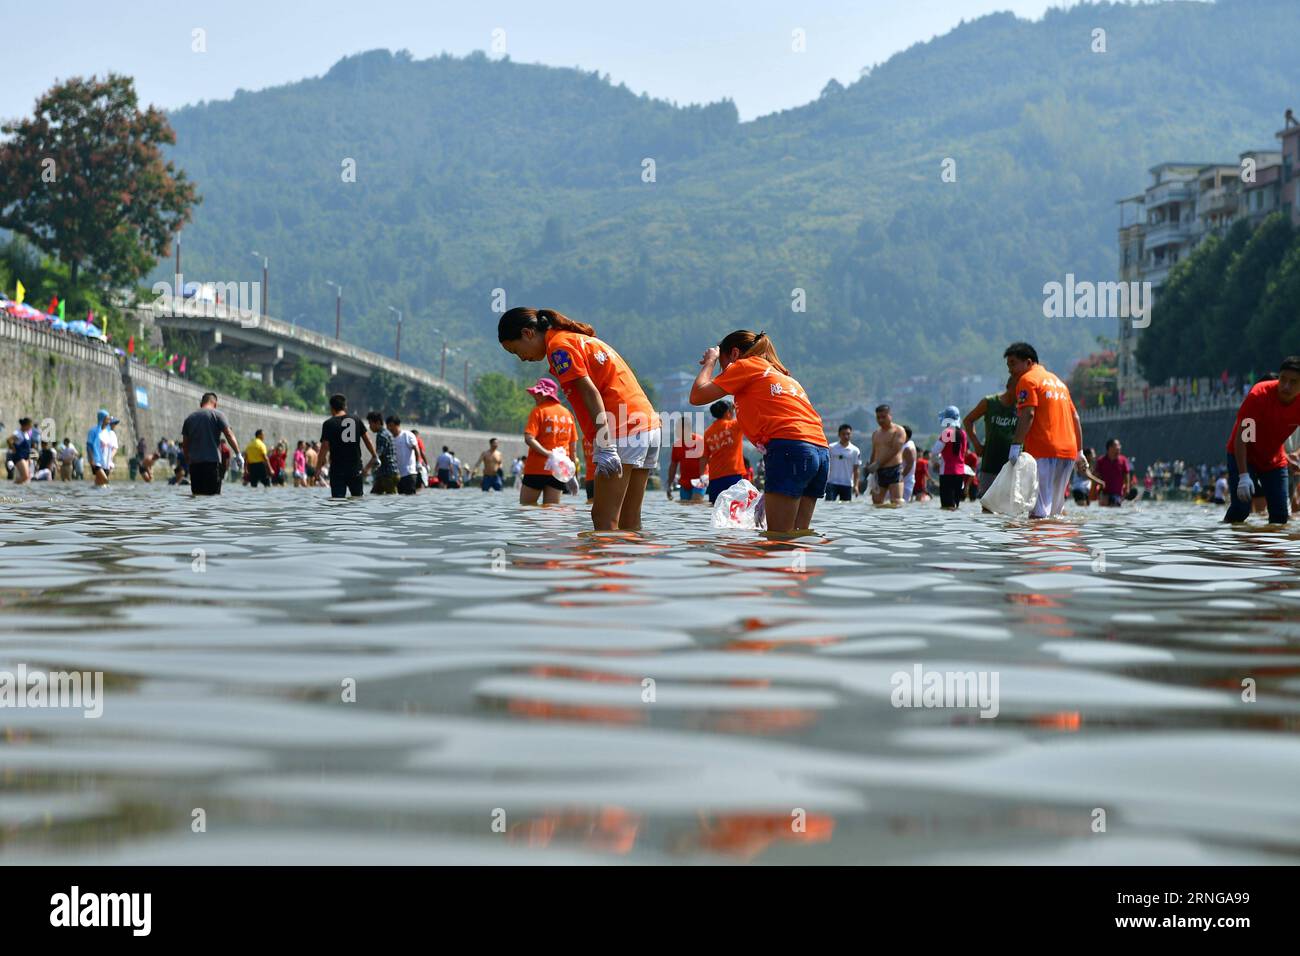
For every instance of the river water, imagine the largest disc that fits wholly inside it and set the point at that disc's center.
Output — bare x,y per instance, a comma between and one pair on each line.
453,679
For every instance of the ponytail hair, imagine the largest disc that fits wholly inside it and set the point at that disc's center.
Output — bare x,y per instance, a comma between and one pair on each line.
541,321
752,344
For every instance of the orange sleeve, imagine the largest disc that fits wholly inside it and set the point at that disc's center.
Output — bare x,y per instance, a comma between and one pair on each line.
567,358
1026,393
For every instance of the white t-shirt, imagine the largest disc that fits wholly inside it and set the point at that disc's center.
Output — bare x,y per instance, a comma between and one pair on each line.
67,452
107,446
444,461
843,460
406,450
911,471
1221,487
517,468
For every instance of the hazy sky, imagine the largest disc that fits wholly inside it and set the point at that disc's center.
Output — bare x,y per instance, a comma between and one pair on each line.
683,50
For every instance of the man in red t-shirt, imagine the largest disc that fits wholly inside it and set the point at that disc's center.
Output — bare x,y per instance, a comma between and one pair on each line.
685,464
1256,457
1116,474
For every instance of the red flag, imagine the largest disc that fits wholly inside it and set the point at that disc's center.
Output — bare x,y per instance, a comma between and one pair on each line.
182,364
130,345
54,306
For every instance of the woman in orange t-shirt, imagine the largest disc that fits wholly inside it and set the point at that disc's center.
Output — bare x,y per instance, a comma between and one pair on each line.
777,417
606,399
550,426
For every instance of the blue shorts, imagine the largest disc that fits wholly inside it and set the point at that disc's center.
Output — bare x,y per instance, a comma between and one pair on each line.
718,485
491,483
797,469
685,492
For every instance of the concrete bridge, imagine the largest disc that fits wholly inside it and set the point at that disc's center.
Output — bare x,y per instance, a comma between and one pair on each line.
263,342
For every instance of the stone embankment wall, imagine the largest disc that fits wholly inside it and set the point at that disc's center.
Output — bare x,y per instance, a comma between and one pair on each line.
63,380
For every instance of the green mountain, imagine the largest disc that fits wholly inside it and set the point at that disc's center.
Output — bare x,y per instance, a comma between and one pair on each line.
475,174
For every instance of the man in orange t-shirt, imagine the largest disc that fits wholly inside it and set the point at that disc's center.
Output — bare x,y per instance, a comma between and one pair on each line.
1047,427
724,449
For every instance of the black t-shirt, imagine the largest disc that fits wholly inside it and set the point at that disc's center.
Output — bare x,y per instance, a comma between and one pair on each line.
344,433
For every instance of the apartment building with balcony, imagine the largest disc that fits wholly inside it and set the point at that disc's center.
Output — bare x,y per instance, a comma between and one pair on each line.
1184,204
1261,193
1158,228
1290,137
1218,197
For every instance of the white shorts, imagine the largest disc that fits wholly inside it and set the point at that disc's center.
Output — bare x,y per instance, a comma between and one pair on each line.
640,450
1054,476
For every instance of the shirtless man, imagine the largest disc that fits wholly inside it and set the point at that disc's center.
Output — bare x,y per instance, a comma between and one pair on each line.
887,458
491,462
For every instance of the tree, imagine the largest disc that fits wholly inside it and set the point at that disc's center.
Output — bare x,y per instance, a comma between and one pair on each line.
85,180
503,404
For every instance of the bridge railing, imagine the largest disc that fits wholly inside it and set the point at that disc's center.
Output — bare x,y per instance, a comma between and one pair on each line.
1163,405
308,337
27,332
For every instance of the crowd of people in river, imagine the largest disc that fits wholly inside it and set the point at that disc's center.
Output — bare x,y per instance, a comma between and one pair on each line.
753,398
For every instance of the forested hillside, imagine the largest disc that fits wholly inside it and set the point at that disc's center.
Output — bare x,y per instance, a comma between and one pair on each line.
474,174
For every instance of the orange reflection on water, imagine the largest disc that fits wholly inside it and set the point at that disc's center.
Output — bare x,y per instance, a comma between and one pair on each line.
764,721
608,830
1066,720
746,835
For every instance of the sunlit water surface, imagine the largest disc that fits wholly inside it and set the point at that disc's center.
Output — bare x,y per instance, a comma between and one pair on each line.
526,693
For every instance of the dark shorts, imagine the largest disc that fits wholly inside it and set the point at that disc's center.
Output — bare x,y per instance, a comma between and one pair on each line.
718,485
839,492
891,475
384,485
796,469
408,484
444,477
591,490
341,485
258,475
490,483
205,477
544,481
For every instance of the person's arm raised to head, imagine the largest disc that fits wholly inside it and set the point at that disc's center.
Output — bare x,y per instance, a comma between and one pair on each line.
968,424
703,390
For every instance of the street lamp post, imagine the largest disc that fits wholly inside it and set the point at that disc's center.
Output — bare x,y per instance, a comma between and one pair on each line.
467,378
266,271
442,373
398,355
338,307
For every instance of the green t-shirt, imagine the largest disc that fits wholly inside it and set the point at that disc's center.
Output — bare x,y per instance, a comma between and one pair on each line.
999,430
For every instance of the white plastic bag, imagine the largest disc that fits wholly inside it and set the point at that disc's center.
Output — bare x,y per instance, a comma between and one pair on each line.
561,465
1015,490
738,506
